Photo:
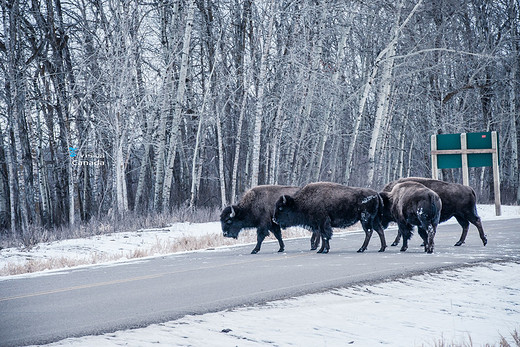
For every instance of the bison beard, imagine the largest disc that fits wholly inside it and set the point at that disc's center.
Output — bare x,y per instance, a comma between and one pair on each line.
255,210
457,201
409,204
324,205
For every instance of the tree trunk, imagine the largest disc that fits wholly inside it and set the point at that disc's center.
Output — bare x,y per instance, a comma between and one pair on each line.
259,111
119,162
330,107
15,114
238,145
168,176
221,175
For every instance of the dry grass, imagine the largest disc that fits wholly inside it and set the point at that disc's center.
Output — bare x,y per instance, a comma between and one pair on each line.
159,247
108,224
515,335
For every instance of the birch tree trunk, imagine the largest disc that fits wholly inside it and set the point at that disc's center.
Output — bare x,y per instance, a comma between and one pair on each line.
119,162
15,113
260,98
161,148
168,175
221,176
276,141
4,196
238,145
200,128
330,107
357,122
138,204
11,182
383,97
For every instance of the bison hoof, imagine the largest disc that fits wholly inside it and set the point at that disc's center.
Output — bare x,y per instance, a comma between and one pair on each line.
403,249
254,251
394,244
382,249
281,250
459,243
325,251
484,241
429,251
361,250
314,248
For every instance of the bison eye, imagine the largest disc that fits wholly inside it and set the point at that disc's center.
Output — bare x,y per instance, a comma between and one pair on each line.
229,221
280,208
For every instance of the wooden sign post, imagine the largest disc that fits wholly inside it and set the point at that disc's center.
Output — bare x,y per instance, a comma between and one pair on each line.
451,151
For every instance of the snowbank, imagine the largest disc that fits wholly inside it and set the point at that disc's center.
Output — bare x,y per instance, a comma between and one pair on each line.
470,306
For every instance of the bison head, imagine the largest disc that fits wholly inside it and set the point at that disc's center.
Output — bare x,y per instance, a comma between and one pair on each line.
231,221
284,211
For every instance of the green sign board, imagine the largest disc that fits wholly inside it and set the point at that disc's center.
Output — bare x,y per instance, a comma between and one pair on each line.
447,142
452,151
481,140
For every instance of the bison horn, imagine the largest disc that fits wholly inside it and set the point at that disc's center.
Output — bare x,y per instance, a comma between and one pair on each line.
284,200
232,214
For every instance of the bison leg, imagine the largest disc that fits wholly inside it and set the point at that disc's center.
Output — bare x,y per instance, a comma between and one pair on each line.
366,223
381,233
477,222
464,223
424,236
315,240
406,231
326,234
325,247
260,236
368,235
277,232
397,238
431,234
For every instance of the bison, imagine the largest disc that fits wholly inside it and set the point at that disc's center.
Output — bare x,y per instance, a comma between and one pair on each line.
411,203
323,205
255,210
458,201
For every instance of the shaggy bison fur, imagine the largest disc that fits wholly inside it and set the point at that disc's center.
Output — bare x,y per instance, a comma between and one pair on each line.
255,210
323,205
411,203
458,201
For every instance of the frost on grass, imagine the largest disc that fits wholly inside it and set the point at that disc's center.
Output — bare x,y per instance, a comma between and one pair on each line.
180,237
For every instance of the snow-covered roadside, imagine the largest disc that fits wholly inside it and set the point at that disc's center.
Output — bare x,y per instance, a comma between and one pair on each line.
153,242
470,306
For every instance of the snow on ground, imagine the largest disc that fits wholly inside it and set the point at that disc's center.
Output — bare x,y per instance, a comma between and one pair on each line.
116,246
470,306
123,246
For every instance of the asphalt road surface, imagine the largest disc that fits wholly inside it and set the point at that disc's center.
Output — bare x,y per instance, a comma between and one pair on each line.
101,299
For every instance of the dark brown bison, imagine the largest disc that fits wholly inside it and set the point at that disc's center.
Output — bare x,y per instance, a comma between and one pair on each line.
458,201
324,205
255,210
409,204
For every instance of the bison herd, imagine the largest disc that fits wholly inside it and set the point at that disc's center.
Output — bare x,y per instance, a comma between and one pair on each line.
321,206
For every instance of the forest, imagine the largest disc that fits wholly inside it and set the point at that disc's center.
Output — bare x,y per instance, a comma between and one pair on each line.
118,109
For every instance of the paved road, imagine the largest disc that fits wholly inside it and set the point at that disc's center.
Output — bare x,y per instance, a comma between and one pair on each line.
102,299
